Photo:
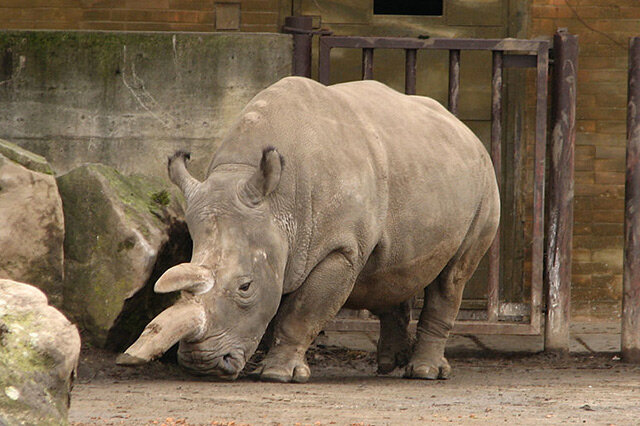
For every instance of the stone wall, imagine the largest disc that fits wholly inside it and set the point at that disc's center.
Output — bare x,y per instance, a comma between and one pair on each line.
603,28
141,15
130,99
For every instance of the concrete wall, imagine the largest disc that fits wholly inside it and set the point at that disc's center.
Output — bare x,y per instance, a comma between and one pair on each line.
130,99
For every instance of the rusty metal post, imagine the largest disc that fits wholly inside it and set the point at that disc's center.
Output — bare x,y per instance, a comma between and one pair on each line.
324,62
454,80
631,281
560,198
410,71
493,293
540,152
301,27
367,63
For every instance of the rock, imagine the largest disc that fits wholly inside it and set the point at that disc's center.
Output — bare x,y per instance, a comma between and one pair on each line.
39,351
26,158
121,233
31,221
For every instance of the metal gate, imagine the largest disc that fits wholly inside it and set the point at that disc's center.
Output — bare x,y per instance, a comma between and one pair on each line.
506,53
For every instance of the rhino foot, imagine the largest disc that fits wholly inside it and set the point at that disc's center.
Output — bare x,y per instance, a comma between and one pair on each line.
428,371
294,371
390,359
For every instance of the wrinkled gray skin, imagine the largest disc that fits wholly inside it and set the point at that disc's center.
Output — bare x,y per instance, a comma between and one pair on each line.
382,195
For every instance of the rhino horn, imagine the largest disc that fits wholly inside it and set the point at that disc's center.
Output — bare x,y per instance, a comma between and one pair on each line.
190,277
184,320
179,175
266,178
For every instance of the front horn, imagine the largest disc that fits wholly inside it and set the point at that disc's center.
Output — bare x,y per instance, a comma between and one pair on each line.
184,320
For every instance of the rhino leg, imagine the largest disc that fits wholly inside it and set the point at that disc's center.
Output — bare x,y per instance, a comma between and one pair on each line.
443,297
394,344
302,316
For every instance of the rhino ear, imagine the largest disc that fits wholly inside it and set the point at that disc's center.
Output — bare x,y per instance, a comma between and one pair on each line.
179,175
266,179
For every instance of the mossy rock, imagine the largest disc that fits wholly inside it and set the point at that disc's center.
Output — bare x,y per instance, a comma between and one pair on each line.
31,222
25,158
39,351
116,228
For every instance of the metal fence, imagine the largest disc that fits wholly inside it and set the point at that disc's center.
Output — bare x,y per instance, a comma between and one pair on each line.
506,53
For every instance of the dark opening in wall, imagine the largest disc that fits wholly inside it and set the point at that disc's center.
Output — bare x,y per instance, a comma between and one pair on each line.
407,7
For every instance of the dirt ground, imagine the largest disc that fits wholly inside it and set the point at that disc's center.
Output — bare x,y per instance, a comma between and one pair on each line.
344,390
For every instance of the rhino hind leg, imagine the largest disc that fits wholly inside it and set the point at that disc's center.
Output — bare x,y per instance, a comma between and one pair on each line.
395,342
443,297
300,319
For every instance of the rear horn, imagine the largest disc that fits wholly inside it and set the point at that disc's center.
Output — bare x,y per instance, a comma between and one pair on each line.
189,277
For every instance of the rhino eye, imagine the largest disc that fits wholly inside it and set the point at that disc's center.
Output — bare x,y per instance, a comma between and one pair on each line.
245,286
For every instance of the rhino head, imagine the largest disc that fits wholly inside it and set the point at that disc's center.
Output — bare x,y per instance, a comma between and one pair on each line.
232,287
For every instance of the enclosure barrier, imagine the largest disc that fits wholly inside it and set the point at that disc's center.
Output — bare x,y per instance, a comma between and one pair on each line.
560,197
531,53
302,29
506,53
630,340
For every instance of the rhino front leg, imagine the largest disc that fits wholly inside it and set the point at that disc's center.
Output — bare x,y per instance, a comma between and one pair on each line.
302,316
394,344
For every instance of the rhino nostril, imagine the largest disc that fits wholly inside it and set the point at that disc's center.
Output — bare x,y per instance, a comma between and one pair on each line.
228,361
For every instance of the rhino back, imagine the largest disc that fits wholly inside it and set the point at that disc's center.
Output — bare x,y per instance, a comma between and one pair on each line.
368,170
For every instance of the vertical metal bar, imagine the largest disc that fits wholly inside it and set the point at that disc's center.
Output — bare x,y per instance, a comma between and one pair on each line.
324,62
410,71
301,43
560,210
631,281
367,63
537,244
454,81
493,293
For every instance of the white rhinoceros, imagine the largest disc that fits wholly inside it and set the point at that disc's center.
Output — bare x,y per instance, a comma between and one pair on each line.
321,197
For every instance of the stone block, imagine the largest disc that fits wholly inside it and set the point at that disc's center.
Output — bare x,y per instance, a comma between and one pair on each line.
611,257
118,231
39,351
227,16
31,221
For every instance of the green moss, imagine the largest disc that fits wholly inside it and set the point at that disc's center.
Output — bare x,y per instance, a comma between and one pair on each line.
25,158
161,197
17,339
26,369
99,268
127,244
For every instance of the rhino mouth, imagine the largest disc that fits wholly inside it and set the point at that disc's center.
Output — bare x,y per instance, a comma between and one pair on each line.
204,362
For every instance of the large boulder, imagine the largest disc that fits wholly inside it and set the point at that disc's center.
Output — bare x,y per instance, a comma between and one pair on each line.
31,221
39,351
122,232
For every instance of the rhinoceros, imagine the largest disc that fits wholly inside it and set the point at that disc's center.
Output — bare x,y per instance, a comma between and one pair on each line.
323,197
